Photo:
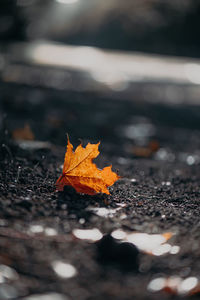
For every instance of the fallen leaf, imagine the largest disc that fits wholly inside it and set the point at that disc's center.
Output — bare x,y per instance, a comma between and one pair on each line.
152,147
82,174
23,133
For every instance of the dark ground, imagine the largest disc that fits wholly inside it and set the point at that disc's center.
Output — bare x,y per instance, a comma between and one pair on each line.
28,197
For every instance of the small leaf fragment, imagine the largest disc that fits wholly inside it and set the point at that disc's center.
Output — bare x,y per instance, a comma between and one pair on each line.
23,133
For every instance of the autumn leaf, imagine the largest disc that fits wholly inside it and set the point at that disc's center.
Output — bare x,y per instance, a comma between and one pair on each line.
147,151
82,174
23,133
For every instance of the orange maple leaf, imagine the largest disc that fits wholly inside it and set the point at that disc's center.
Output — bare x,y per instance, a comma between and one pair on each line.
82,174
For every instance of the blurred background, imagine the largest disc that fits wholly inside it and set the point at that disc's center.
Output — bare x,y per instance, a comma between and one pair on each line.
153,26
98,68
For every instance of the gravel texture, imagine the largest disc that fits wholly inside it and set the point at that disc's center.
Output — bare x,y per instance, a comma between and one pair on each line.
158,192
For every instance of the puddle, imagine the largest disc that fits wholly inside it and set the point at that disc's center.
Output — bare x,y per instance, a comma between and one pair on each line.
63,270
155,244
91,235
47,296
175,285
104,212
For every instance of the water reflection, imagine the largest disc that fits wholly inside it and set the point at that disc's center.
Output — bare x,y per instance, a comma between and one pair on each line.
121,204
104,212
187,285
174,284
50,231
156,284
64,270
119,234
154,244
161,249
174,249
38,229
88,234
167,183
